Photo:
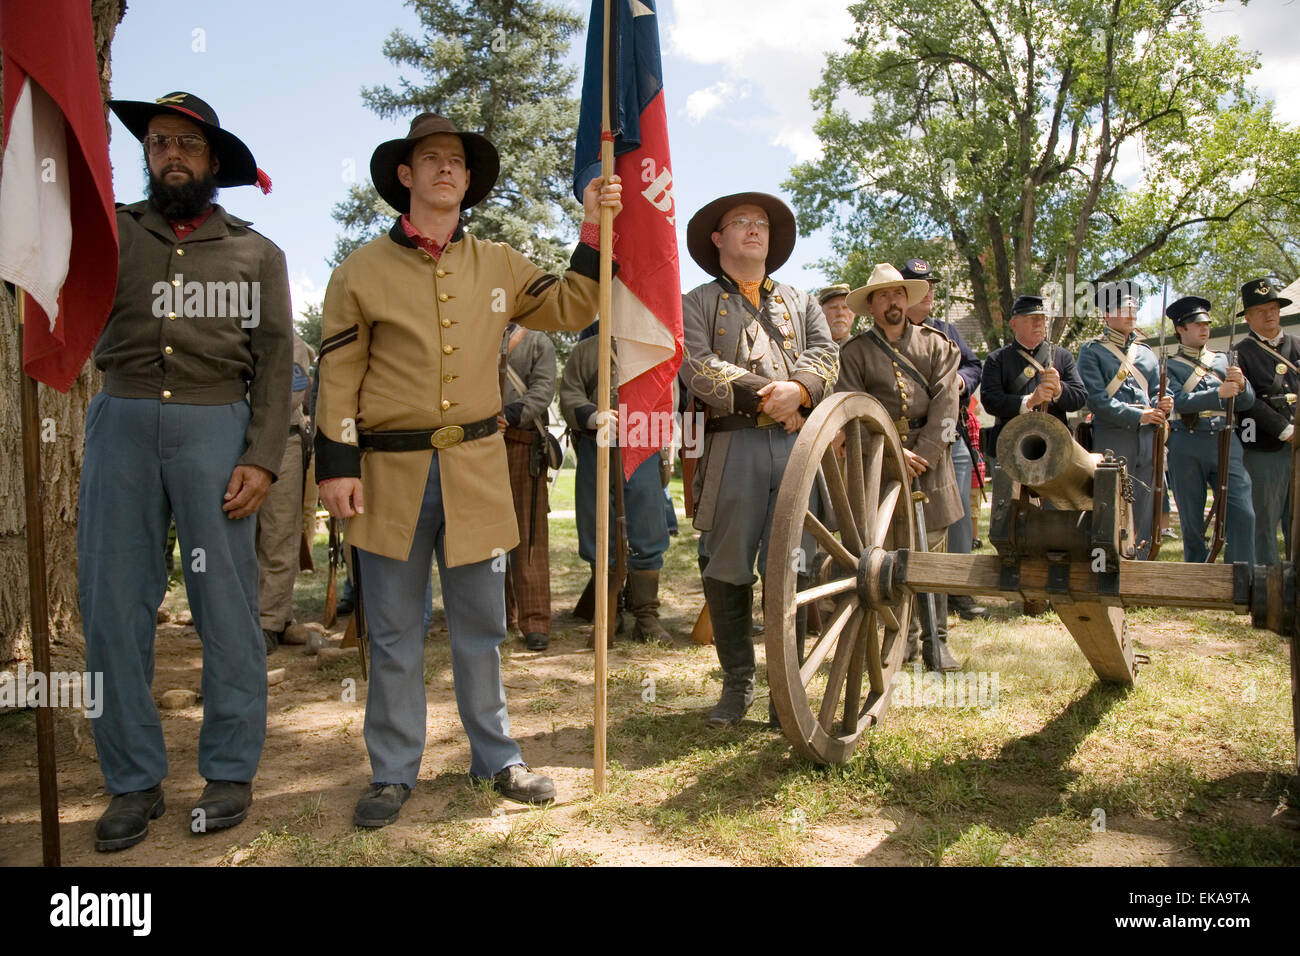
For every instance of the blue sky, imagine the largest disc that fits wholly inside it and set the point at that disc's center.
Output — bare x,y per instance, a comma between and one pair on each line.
286,78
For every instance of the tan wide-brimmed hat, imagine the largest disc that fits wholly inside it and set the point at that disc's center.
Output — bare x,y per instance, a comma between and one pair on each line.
780,236
885,276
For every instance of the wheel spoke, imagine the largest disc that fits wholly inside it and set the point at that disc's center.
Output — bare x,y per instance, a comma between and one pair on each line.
830,634
840,502
874,471
875,667
853,683
844,653
854,477
829,589
884,516
826,538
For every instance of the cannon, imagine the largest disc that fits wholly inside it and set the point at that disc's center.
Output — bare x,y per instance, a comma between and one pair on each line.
1063,530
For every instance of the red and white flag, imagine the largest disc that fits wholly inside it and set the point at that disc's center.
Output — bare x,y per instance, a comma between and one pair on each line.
58,228
647,292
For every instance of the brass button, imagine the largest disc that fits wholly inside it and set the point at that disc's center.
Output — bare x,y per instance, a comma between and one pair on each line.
180,252
176,281
722,312
426,257
785,315
448,378
778,298
167,393
171,315
789,344
726,296
441,273
443,297
446,323
168,350
446,350
722,331
445,404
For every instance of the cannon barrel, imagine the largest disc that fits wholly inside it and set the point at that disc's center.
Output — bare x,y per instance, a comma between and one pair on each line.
1039,452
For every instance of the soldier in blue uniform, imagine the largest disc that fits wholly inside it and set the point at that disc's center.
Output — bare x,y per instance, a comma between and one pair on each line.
1201,382
1123,382
1270,360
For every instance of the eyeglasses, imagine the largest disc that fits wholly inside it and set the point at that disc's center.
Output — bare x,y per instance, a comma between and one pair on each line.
190,143
744,223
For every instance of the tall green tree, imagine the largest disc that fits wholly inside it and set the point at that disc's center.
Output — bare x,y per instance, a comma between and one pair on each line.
496,67
1027,139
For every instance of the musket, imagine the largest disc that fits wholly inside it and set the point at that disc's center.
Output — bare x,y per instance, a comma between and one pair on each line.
331,594
1162,435
357,631
1225,449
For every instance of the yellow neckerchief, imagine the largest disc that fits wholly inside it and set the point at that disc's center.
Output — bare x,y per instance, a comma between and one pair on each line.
750,290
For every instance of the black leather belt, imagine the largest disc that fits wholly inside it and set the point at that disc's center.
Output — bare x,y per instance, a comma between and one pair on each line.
444,437
733,423
905,425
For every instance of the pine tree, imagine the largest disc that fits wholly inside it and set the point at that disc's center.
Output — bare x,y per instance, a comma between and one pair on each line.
496,68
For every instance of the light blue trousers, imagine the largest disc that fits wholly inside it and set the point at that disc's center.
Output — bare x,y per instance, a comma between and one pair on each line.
474,599
145,462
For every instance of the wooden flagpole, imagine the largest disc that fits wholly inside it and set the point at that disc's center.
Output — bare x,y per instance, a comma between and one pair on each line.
38,599
605,438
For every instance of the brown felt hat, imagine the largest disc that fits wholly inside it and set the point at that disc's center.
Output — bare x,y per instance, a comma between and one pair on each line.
780,237
481,160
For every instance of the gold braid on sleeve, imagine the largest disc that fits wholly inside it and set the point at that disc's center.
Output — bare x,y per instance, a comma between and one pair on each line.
828,370
719,376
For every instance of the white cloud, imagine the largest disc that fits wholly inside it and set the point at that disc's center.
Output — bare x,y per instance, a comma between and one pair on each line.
304,292
1269,29
766,44
708,100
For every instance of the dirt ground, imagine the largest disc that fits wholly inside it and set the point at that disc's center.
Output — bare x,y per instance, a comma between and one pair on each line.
314,765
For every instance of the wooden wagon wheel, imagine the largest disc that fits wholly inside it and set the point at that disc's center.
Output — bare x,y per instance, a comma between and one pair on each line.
843,686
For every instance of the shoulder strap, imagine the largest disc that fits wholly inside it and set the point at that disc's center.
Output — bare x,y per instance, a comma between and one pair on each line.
1126,368
874,337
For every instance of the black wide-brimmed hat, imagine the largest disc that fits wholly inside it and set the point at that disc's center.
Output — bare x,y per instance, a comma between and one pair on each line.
780,237
481,160
1260,292
1190,308
236,166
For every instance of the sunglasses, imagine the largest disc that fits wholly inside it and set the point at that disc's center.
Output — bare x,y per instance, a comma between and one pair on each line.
190,144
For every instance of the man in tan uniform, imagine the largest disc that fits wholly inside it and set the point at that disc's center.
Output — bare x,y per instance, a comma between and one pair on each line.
911,370
279,523
409,449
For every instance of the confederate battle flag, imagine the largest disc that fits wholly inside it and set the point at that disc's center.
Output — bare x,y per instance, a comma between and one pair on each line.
58,228
647,295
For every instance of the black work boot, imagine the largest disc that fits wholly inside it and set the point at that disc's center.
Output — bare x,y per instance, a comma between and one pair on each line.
643,602
800,639
731,607
934,647
126,821
223,804
966,607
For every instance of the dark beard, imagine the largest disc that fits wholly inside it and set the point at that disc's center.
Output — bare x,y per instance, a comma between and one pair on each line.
185,201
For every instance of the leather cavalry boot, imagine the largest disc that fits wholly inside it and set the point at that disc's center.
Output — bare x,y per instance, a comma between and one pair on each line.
801,619
731,607
380,805
934,647
126,821
643,602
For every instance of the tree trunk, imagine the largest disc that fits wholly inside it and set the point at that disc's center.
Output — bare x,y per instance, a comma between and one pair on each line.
62,418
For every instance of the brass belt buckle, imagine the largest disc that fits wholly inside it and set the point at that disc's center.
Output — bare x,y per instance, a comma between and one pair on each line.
765,420
446,436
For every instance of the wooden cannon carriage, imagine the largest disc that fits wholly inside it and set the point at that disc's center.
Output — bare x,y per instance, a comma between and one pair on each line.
871,563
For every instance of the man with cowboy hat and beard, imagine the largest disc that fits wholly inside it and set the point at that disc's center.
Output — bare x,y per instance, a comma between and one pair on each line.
1270,360
190,424
912,371
759,355
409,449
